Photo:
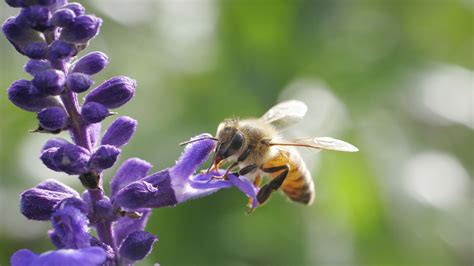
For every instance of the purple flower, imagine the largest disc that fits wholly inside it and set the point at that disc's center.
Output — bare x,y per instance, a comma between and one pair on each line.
63,17
22,94
94,112
38,203
113,93
91,63
65,157
34,66
52,118
137,245
49,82
178,183
103,158
120,132
79,82
91,256
83,29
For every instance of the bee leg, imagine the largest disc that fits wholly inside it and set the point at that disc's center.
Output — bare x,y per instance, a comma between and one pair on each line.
257,182
273,185
224,176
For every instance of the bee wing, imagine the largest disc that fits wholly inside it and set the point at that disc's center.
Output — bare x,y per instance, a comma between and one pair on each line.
285,114
322,143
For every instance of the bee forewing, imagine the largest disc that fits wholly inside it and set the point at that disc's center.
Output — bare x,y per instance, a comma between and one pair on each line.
285,114
328,143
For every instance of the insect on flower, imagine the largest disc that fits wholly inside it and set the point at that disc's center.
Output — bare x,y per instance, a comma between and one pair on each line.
256,147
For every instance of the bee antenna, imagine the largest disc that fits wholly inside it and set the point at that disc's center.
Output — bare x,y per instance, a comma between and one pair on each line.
194,140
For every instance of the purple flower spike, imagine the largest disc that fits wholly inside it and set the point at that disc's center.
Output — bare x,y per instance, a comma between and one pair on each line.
78,82
34,66
21,94
63,17
94,112
49,82
70,227
120,131
104,157
52,118
91,63
91,256
68,158
38,203
137,245
113,93
82,30
131,170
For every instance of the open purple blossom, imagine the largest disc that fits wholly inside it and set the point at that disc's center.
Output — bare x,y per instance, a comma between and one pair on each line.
51,34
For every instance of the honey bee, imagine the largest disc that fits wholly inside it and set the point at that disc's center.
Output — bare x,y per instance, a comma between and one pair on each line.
257,148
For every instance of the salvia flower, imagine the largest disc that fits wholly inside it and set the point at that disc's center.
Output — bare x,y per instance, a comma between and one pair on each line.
51,33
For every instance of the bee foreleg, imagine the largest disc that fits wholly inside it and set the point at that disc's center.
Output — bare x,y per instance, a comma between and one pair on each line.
224,176
273,185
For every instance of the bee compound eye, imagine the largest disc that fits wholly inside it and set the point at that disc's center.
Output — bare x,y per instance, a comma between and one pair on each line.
236,142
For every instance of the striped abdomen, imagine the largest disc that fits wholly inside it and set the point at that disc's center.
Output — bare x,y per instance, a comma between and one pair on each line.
298,185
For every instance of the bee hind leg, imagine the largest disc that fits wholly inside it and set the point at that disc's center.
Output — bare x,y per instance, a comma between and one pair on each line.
267,190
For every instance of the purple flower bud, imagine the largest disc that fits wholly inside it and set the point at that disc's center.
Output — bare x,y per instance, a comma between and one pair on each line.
77,8
38,17
21,94
91,63
50,82
120,131
54,143
83,29
36,50
91,256
63,17
137,245
22,36
68,158
60,50
113,93
93,133
131,170
52,118
34,67
104,157
38,203
15,3
93,112
78,82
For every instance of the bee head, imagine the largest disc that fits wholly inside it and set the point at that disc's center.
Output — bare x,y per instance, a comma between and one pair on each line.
229,140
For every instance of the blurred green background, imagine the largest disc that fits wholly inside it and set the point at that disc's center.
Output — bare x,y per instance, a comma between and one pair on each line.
392,77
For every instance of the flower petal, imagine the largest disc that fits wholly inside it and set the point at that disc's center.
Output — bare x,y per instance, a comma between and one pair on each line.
131,170
125,225
193,156
70,227
137,245
91,256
